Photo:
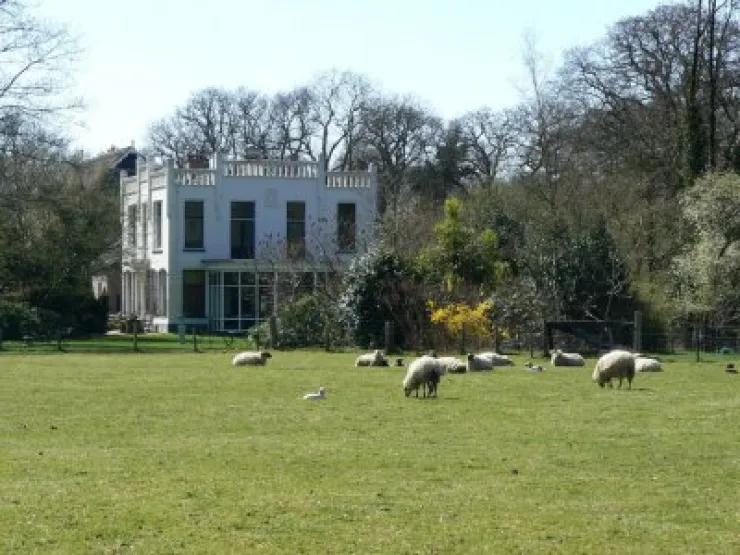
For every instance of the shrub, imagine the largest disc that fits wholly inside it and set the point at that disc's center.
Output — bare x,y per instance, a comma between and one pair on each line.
309,322
382,286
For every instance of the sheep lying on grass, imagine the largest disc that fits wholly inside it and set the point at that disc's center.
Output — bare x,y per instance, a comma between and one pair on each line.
476,363
316,396
424,372
251,358
376,358
531,367
559,358
617,364
453,365
645,364
497,359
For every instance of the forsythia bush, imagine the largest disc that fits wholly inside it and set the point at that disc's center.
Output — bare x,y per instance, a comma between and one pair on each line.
476,320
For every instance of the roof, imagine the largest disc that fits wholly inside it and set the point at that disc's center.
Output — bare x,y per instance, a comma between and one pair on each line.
111,158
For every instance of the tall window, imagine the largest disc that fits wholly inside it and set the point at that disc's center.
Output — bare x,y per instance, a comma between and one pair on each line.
193,224
132,225
242,230
346,227
157,225
194,293
296,229
144,226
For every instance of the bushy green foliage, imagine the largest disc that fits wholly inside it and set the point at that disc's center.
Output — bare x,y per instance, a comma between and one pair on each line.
579,272
461,253
381,286
309,322
15,318
707,273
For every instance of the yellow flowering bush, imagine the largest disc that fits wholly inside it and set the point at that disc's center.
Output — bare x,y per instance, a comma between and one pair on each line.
454,317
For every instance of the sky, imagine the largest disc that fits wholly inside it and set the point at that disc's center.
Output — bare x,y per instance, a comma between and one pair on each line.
142,59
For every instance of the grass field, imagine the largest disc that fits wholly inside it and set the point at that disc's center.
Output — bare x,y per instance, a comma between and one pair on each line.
182,453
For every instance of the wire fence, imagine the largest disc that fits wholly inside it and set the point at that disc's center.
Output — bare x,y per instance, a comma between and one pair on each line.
696,340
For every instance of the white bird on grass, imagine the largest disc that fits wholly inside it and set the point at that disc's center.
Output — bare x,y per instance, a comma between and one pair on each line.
316,396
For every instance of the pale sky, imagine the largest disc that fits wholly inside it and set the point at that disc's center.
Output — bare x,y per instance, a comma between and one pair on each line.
143,59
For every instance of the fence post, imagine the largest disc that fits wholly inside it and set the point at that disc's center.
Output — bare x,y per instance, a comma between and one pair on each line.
273,332
135,324
637,339
696,342
195,340
388,336
1,339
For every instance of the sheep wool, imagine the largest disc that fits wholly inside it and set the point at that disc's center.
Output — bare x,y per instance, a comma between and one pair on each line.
497,359
251,358
559,358
645,364
452,365
479,362
531,367
617,364
320,395
423,372
376,358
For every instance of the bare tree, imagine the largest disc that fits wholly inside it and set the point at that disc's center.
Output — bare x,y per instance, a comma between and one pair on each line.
290,123
399,135
338,99
542,123
489,137
36,63
252,122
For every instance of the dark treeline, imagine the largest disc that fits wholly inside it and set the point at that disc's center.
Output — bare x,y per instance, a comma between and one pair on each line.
588,182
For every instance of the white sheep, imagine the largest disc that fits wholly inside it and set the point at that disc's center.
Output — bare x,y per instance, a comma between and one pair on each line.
376,358
452,365
497,359
424,372
559,358
479,362
617,364
645,364
316,396
531,367
251,358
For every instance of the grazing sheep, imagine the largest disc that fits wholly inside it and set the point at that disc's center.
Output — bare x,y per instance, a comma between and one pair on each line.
531,367
479,362
497,359
424,372
316,396
251,358
617,364
452,365
433,382
645,364
376,358
559,358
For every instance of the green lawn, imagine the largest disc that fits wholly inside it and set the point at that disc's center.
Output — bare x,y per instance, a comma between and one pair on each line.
182,453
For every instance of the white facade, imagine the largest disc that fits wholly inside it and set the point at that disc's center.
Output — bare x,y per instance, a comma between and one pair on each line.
208,248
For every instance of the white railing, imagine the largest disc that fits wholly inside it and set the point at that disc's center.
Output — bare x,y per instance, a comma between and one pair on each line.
349,180
196,178
270,168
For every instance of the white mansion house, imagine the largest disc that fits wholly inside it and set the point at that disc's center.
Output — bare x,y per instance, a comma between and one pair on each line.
208,247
